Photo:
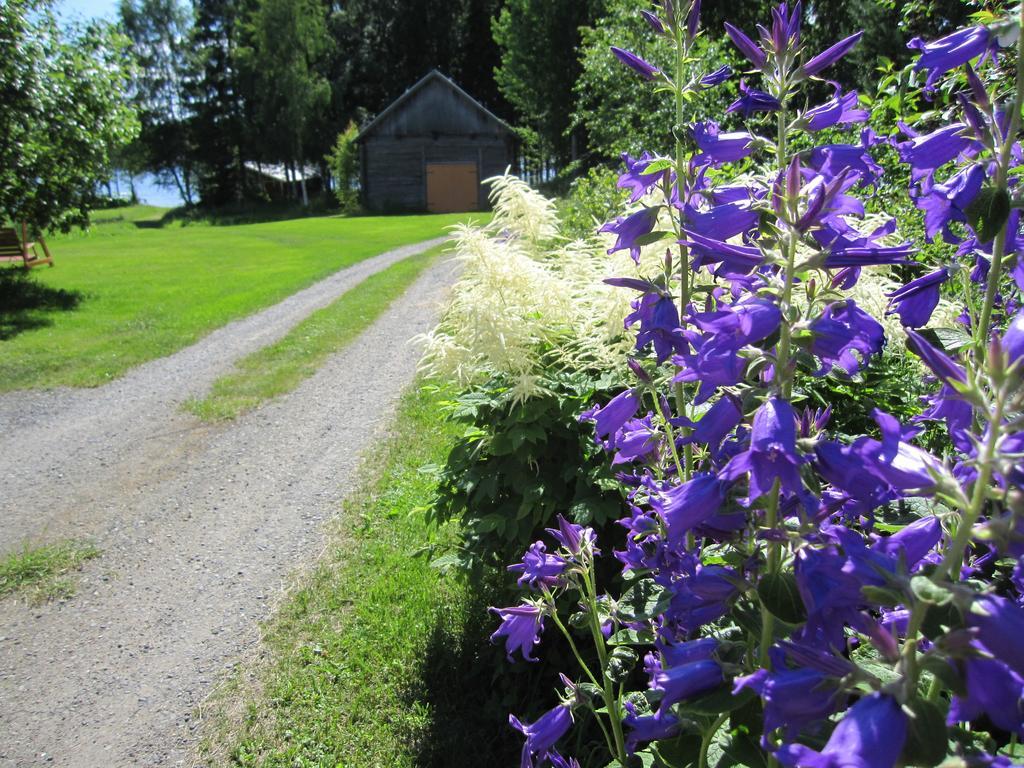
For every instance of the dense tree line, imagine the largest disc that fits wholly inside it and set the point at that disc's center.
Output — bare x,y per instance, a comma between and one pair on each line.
224,82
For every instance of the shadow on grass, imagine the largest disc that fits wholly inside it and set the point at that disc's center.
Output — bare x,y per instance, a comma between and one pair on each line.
470,687
242,213
25,304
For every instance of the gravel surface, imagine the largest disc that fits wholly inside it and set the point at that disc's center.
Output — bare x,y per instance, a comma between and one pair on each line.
199,525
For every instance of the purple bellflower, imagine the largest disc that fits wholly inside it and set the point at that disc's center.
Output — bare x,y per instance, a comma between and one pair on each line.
871,735
1013,338
717,77
916,300
686,681
717,148
644,728
925,154
521,626
841,330
993,690
688,505
732,259
629,229
1000,626
793,698
753,100
841,109
951,51
610,419
772,454
635,179
542,734
947,202
538,568
643,68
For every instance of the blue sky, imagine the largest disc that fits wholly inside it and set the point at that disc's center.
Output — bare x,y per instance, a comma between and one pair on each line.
86,9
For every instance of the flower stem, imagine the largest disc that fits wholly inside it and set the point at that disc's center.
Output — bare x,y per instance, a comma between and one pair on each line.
611,702
670,435
709,734
983,329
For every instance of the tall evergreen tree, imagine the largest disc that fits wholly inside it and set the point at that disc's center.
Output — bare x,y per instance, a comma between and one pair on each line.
215,96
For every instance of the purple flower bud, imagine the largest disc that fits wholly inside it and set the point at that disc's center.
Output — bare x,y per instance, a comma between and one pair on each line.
951,51
654,22
830,55
693,19
912,542
916,300
521,626
542,734
644,69
754,53
575,538
717,77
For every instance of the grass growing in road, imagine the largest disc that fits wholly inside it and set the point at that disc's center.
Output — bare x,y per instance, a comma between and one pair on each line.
366,662
280,367
133,288
41,573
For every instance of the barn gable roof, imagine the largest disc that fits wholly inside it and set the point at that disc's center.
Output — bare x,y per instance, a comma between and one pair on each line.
432,77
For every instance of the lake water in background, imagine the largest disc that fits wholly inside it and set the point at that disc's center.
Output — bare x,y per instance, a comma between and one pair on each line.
149,191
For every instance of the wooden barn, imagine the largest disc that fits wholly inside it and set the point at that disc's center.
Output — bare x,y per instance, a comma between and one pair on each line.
431,149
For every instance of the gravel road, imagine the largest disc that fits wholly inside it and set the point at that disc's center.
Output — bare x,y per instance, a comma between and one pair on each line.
199,525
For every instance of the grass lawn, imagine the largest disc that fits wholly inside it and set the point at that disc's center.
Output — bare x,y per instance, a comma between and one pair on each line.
281,367
132,289
375,658
41,573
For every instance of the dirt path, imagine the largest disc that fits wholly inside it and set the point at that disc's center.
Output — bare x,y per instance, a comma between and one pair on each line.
198,526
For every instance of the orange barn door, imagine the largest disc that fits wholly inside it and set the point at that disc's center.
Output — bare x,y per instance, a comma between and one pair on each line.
452,187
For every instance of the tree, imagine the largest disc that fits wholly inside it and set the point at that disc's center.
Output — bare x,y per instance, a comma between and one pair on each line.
62,113
620,112
287,40
159,31
539,42
344,164
215,97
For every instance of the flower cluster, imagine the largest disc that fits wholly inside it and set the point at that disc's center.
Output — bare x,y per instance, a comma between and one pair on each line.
822,600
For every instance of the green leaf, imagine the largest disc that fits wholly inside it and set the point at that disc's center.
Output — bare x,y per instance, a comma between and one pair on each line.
631,637
644,600
720,700
779,594
988,213
680,752
929,592
620,663
926,734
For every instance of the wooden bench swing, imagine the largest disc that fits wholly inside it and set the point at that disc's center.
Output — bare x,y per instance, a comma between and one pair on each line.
14,248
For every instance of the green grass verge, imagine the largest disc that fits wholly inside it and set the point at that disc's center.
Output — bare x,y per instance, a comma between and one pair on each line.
373,660
281,367
133,288
40,574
